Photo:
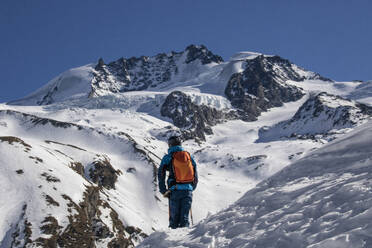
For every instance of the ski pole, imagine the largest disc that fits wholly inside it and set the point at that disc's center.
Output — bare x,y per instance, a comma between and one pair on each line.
192,220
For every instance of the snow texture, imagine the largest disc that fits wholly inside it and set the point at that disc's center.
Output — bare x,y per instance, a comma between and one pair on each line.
322,200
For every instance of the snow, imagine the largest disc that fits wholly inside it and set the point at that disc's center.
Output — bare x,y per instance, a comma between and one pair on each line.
133,197
74,83
337,116
245,55
361,92
322,200
230,162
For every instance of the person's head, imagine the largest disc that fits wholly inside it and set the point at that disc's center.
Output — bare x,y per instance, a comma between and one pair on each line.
174,141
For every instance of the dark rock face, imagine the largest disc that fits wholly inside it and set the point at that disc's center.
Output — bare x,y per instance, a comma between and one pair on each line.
103,174
135,73
21,236
321,115
144,72
202,53
48,98
262,86
86,227
194,120
340,115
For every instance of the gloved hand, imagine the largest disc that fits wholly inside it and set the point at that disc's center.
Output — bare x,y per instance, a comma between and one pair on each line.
167,194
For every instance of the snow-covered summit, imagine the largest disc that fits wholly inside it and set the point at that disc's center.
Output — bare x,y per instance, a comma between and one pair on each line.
196,69
72,84
244,55
362,92
124,75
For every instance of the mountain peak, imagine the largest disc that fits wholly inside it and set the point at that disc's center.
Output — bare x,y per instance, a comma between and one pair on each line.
193,67
201,52
244,55
100,64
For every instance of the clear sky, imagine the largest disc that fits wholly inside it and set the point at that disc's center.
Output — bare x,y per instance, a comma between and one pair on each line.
40,39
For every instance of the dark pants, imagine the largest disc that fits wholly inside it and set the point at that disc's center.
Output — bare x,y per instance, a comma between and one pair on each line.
179,208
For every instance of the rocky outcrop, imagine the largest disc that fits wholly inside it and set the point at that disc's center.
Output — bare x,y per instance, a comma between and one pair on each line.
262,85
201,53
87,226
144,72
194,120
21,236
322,115
35,120
102,173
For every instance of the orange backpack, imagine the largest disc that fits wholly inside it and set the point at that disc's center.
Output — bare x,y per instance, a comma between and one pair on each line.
182,167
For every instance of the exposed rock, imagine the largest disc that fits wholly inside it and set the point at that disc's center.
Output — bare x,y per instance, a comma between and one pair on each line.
194,120
262,86
322,116
48,98
50,226
100,64
37,159
103,174
78,168
86,227
50,178
131,170
51,201
202,53
21,237
134,73
39,120
58,143
12,139
141,73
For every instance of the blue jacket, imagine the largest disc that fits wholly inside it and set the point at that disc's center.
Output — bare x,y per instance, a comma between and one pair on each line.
165,165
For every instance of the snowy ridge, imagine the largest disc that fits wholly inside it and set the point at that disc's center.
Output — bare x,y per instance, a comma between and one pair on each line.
322,114
362,92
125,75
74,83
322,200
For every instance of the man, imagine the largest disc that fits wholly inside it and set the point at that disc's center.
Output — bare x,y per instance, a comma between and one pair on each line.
182,180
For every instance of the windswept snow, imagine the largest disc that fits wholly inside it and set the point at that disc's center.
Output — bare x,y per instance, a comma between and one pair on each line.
322,200
72,84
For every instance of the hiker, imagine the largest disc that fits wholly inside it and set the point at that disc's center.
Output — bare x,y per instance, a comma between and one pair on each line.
182,180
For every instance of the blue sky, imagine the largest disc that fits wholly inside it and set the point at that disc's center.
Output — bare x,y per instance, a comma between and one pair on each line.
40,39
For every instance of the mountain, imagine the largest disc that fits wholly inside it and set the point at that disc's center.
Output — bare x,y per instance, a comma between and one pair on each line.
61,193
262,85
322,115
243,85
79,156
322,200
124,75
362,92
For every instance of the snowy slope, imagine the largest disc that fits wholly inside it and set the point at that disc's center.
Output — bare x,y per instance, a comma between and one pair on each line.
323,115
362,92
48,165
74,83
322,200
